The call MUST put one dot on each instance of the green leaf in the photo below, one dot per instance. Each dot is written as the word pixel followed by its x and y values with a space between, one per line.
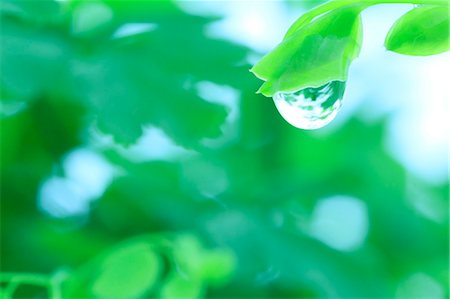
pixel 218 267
pixel 317 53
pixel 422 31
pixel 214 267
pixel 179 287
pixel 188 255
pixel 90 17
pixel 129 271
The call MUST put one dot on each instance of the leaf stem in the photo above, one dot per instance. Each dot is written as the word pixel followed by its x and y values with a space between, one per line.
pixel 321 9
pixel 16 279
pixel 55 283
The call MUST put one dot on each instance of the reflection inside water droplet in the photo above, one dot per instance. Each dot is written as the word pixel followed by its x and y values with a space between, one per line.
pixel 311 108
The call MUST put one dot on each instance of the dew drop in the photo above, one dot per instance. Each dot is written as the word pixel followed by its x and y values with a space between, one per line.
pixel 311 108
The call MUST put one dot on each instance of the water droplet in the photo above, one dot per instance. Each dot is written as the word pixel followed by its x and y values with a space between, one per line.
pixel 311 108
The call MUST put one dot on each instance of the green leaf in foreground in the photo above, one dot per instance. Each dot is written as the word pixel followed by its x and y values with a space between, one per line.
pixel 314 55
pixel 179 287
pixel 129 271
pixel 218 267
pixel 420 32
pixel 213 267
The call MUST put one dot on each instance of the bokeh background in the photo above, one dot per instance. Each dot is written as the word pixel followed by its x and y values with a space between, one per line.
pixel 138 162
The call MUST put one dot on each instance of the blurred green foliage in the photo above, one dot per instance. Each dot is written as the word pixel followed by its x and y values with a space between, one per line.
pixel 227 218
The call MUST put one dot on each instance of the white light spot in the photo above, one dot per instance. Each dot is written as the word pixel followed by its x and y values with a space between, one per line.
pixel 154 144
pixel 220 94
pixel 60 197
pixel 89 170
pixel 341 222
pixel 228 97
pixel 418 135
pixel 88 175
pixel 259 25
pixel 133 29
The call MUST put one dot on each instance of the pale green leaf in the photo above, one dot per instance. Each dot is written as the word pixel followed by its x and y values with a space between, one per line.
pixel 315 54
pixel 422 31
pixel 90 17
pixel 218 266
pixel 179 287
pixel 188 255
pixel 214 267
pixel 128 272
